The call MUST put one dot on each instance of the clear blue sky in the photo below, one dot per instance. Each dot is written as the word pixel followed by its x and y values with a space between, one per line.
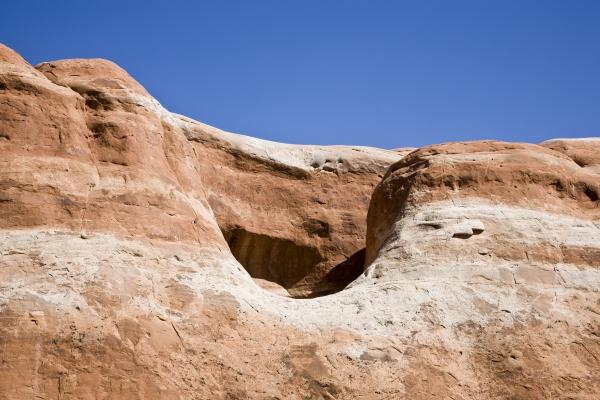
pixel 380 73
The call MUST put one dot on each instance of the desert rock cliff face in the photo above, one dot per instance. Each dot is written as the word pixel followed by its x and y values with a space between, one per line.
pixel 145 255
pixel 293 215
pixel 134 169
pixel 95 157
pixel 533 204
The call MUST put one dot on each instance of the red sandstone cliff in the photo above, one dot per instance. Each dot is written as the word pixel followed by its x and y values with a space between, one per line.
pixel 132 241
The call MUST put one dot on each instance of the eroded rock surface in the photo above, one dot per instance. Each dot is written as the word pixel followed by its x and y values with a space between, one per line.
pixel 130 237
pixel 294 215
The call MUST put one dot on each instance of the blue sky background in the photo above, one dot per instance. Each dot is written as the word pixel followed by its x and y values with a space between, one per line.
pixel 380 73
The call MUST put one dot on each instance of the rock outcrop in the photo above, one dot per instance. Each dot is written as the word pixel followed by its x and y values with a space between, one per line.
pixel 135 169
pixel 293 215
pixel 534 205
pixel 145 255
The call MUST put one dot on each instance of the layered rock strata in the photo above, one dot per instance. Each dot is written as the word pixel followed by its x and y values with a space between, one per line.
pixel 132 241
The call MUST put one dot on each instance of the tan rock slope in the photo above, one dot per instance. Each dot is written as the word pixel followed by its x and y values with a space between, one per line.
pixel 144 255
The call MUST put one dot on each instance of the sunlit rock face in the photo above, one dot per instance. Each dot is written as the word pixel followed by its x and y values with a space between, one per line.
pixel 145 255
pixel 489 201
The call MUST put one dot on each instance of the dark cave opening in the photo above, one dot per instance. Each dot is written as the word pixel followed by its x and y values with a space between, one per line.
pixel 291 265
pixel 591 194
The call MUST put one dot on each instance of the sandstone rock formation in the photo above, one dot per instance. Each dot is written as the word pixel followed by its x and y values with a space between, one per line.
pixel 144 255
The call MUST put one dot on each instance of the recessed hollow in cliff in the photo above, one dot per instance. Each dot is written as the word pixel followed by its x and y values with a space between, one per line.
pixel 287 263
